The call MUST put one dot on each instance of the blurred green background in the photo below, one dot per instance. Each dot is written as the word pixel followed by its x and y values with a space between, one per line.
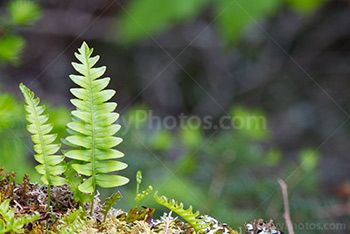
pixel 283 61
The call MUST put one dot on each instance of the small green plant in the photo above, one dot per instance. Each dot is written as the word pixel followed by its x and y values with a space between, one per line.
pixel 143 194
pixel 51 165
pixel 110 201
pixel 71 222
pixel 187 215
pixel 92 127
pixel 11 224
pixel 74 182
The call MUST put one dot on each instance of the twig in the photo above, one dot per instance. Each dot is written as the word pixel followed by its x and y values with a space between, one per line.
pixel 18 204
pixel 286 206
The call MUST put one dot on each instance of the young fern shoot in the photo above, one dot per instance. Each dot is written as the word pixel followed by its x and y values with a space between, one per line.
pixel 187 215
pixel 51 165
pixel 92 127
pixel 143 194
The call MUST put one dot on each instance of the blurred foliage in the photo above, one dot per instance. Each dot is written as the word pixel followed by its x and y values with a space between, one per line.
pixel 162 140
pixel 19 13
pixel 251 123
pixel 13 139
pixel 309 159
pixel 146 18
pixel 152 16
pixel 10 48
pixel 305 6
pixel 230 174
pixel 235 16
pixel 23 12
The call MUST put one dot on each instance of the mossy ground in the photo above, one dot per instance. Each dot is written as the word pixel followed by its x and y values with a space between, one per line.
pixel 66 216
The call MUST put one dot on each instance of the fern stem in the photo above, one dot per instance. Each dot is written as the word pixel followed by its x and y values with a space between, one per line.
pixel 45 155
pixel 93 141
pixel 48 205
pixel 48 197
pixel 137 188
pixel 92 203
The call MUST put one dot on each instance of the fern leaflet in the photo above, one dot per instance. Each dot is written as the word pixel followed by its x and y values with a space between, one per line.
pixel 143 194
pixel 92 127
pixel 187 215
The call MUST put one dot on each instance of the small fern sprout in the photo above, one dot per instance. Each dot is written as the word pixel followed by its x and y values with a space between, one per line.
pixel 110 201
pixel 143 194
pixel 92 127
pixel 51 165
pixel 187 215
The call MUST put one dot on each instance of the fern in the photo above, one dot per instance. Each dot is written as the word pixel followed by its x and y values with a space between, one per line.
pixel 110 201
pixel 143 194
pixel 92 127
pixel 188 215
pixel 50 165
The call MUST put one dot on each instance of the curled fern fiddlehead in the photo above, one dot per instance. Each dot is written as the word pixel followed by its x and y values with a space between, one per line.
pixel 92 127
pixel 51 165
pixel 187 215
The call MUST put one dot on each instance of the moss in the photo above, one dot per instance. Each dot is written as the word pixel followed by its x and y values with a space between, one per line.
pixel 67 217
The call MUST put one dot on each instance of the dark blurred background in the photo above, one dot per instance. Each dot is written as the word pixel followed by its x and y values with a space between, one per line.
pixel 287 61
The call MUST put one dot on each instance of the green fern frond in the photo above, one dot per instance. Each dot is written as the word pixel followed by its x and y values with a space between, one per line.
pixel 92 127
pixel 51 165
pixel 143 194
pixel 187 215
